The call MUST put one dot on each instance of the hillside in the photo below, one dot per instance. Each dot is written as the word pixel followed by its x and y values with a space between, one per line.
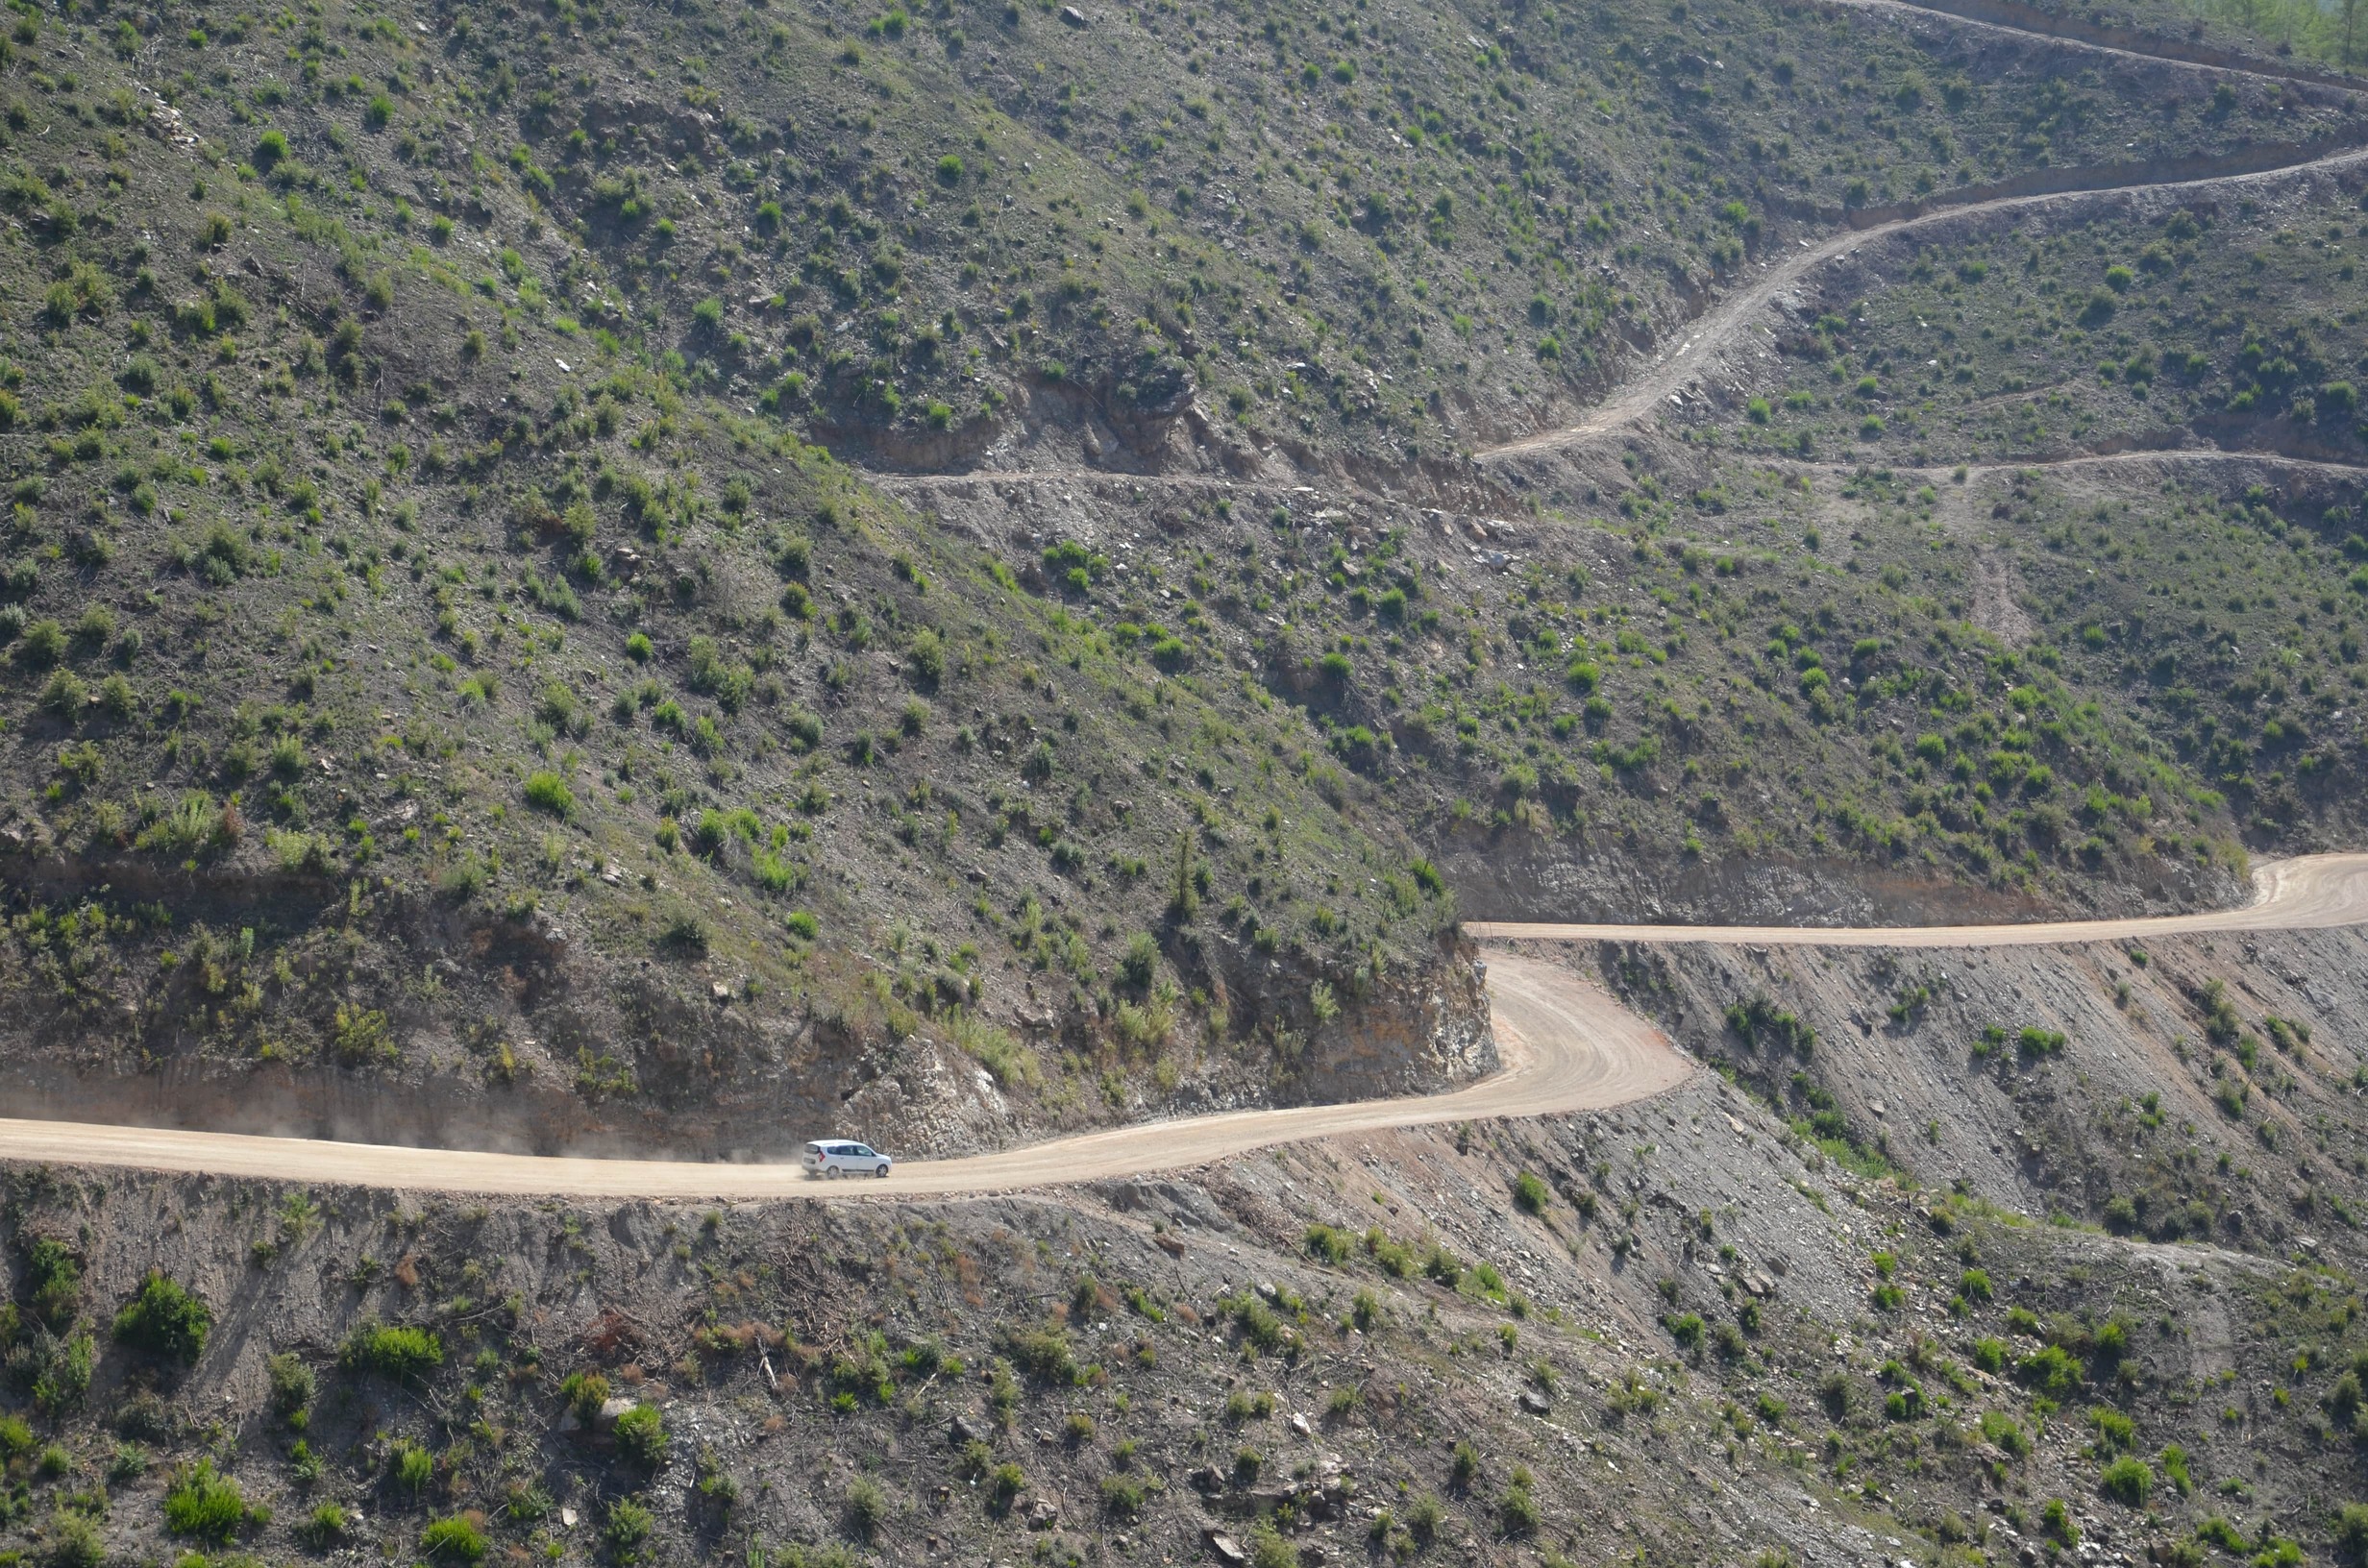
pixel 664 579
pixel 1682 1330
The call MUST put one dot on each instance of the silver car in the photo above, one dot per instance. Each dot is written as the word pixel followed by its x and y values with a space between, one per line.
pixel 835 1159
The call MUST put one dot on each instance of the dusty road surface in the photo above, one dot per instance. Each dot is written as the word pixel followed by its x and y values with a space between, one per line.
pixel 1566 1045
pixel 1697 349
pixel 2306 893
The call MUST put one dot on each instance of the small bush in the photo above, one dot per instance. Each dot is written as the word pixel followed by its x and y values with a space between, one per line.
pixel 1043 1354
pixel 411 1466
pixel 548 791
pixel 1517 1511
pixel 74 1542
pixel 1530 1193
pixel 324 1528
pixel 2050 1371
pixel 641 1436
pixel 166 1320
pixel 203 1506
pixel 53 1282
pixel 291 1385
pixel 453 1540
pixel 626 1531
pixel 2351 1535
pixel 2128 1480
pixel 404 1353
pixel 867 1508
pixel 1124 1496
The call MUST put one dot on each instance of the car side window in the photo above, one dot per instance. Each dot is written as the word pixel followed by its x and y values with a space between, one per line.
pixel 862 1153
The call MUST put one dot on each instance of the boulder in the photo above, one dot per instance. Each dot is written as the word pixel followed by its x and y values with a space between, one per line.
pixel 1224 1548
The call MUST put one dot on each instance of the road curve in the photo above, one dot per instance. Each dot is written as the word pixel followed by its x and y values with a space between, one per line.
pixel 1703 339
pixel 2307 892
pixel 1565 1045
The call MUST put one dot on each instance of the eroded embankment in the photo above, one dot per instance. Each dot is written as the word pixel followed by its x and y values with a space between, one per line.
pixel 2202 1086
pixel 1659 1328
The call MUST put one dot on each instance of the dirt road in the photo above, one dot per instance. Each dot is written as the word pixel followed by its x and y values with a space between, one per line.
pixel 1566 1046
pixel 2304 893
pixel 1706 339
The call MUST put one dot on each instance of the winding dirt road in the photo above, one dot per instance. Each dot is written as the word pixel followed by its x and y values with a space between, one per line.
pixel 1706 338
pixel 2305 893
pixel 1566 1046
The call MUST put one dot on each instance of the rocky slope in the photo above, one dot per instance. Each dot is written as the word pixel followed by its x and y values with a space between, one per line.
pixel 1683 1330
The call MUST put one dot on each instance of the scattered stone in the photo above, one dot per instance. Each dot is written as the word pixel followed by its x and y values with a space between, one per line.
pixel 1224 1548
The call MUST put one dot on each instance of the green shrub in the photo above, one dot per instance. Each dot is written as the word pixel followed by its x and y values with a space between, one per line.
pixel 2006 1434
pixel 166 1320
pixel 626 1531
pixel 1124 1496
pixel 1531 1194
pixel 2128 1480
pixel 584 1392
pixel 548 791
pixel 207 1507
pixel 2114 1430
pixel 867 1508
pixel 324 1528
pixel 1464 1465
pixel 55 1370
pixel 53 1282
pixel 1517 1511
pixel 2050 1371
pixel 394 1351
pixel 2350 1536
pixel 411 1466
pixel 1043 1354
pixel 453 1540
pixel 74 1542
pixel 291 1385
pixel 641 1436
pixel 1328 1244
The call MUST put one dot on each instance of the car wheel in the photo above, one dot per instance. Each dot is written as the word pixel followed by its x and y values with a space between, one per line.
pixel 831 1173
pixel 881 1173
